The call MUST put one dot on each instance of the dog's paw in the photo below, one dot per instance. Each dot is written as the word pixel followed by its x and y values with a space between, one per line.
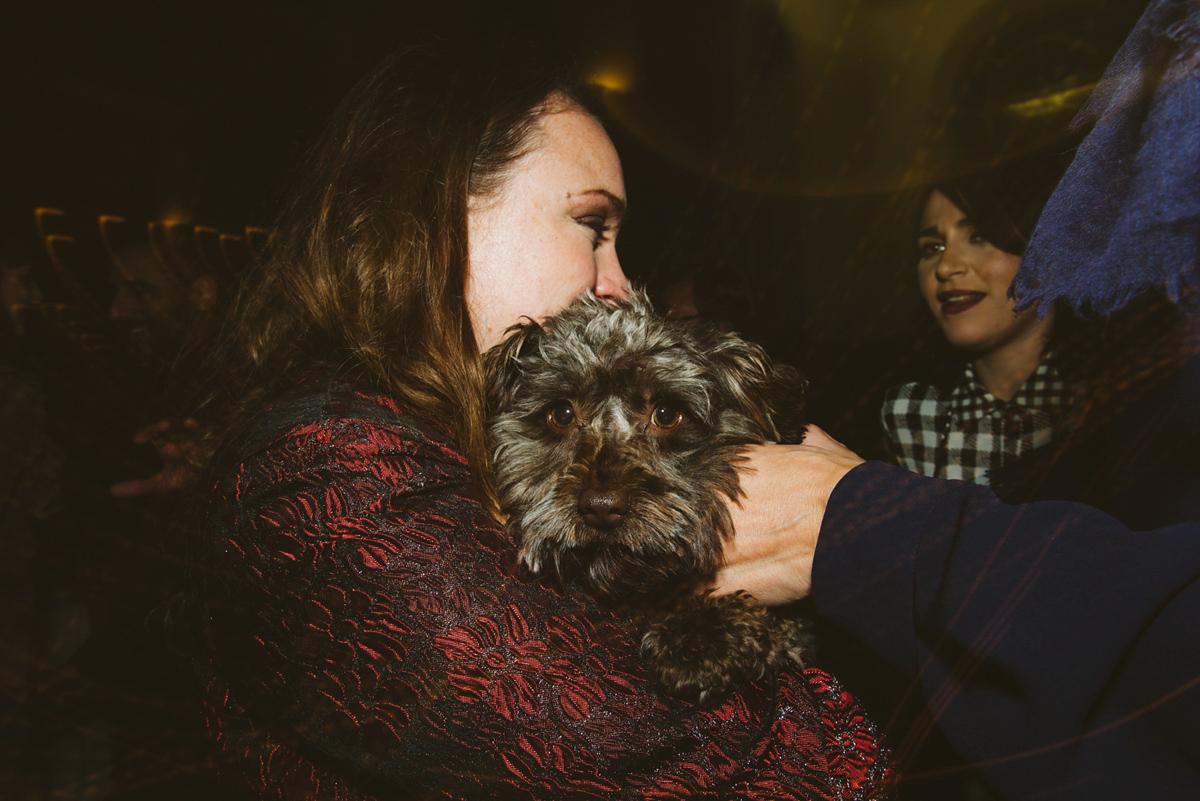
pixel 702 647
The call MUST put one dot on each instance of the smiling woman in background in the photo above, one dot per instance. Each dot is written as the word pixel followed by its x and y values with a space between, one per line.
pixel 999 393
pixel 1057 407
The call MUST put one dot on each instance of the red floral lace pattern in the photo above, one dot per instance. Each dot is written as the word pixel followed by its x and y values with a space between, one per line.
pixel 367 635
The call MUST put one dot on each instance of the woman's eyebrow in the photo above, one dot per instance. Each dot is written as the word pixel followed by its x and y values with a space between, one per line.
pixel 617 203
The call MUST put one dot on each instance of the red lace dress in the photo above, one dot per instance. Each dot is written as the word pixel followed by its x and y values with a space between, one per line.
pixel 366 635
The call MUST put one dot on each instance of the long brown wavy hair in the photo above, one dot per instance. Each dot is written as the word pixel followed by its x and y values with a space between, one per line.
pixel 364 275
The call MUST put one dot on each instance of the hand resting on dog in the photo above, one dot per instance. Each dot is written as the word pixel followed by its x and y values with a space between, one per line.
pixel 786 488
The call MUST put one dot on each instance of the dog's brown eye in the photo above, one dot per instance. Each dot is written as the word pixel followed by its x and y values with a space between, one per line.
pixel 666 416
pixel 561 416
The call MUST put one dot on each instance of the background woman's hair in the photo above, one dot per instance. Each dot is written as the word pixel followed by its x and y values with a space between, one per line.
pixel 364 276
pixel 1004 203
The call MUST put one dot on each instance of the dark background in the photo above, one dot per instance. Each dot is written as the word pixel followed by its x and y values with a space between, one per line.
pixel 771 152
pixel 767 144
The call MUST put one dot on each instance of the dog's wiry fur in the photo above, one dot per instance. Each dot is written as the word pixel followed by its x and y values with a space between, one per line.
pixel 614 436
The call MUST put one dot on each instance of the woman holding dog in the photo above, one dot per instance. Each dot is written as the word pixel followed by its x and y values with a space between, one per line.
pixel 365 630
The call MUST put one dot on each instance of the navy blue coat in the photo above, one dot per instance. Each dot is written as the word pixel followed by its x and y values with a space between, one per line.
pixel 1058 650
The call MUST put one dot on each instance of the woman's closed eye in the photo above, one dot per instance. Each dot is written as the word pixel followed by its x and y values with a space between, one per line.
pixel 602 230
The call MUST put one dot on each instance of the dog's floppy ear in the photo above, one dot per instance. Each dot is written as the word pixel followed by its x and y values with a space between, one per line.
pixel 502 363
pixel 771 395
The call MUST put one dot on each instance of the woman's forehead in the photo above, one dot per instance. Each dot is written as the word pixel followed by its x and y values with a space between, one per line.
pixel 573 150
pixel 940 210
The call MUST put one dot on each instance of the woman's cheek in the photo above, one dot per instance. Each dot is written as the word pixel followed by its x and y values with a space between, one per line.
pixel 928 290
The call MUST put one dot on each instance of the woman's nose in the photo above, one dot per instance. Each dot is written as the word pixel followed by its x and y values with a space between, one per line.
pixel 610 278
pixel 951 263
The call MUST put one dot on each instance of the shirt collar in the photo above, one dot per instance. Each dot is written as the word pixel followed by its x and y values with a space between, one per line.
pixel 1044 390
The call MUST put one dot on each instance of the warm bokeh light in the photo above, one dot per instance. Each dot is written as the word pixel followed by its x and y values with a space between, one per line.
pixel 614 75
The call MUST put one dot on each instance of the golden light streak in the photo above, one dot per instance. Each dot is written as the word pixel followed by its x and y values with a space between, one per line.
pixel 224 240
pixel 38 215
pixel 256 240
pixel 1051 104
pixel 152 235
pixel 103 222
pixel 51 241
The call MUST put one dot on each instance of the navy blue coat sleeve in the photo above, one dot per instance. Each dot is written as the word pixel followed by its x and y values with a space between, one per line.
pixel 1058 650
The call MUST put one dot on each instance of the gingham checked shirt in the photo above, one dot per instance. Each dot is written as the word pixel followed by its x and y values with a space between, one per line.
pixel 971 432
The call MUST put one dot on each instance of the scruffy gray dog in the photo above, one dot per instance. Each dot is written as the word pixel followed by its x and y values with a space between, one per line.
pixel 614 435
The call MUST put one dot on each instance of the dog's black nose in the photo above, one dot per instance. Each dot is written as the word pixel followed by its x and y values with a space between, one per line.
pixel 603 508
